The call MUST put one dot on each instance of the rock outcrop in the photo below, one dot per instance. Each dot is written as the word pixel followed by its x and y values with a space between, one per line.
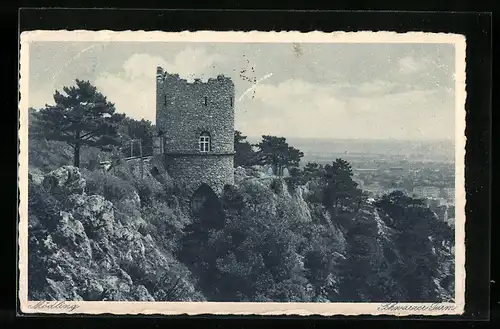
pixel 83 252
pixel 275 191
pixel 97 235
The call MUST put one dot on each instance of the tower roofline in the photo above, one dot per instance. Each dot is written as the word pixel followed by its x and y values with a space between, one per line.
pixel 162 73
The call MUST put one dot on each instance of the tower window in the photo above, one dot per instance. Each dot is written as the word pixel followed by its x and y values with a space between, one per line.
pixel 206 101
pixel 204 142
pixel 231 100
pixel 165 100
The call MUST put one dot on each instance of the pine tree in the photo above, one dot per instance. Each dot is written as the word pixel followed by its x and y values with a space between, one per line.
pixel 243 150
pixel 276 152
pixel 81 116
pixel 340 191
pixel 418 236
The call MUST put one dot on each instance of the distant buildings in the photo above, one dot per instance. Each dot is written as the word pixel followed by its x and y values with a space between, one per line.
pixel 427 192
pixel 433 203
pixel 448 193
pixel 432 182
pixel 397 189
pixel 374 189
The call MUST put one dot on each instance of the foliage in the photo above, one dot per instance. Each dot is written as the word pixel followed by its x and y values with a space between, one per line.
pixel 341 194
pixel 277 185
pixel 323 250
pixel 111 187
pixel 253 244
pixel 142 130
pixel 253 257
pixel 81 116
pixel 259 253
pixel 149 190
pixel 165 224
pixel 42 213
pixel 244 155
pixel 313 175
pixel 365 272
pixel 420 239
pixel 331 186
pixel 275 151
pixel 48 155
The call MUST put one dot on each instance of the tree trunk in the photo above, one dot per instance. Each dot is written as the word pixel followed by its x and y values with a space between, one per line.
pixel 76 155
pixel 336 208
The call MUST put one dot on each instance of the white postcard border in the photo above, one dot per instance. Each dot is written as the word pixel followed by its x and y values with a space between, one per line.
pixel 178 308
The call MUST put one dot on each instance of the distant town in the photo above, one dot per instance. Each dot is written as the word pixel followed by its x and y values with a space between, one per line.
pixel 432 181
pixel 421 170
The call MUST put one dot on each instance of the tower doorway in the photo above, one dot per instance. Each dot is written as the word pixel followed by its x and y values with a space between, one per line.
pixel 206 206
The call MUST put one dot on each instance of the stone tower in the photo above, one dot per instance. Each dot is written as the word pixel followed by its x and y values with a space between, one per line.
pixel 195 124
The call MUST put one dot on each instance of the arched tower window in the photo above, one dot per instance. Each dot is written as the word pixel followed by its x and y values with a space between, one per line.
pixel 205 142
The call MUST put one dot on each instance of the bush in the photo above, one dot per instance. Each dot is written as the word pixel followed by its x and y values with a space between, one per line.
pixel 48 155
pixel 109 186
pixel 43 209
pixel 256 193
pixel 254 256
pixel 277 185
pixel 90 157
pixel 123 171
pixel 150 191
pixel 166 225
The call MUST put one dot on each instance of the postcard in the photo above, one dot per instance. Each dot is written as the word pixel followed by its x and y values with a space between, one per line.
pixel 269 173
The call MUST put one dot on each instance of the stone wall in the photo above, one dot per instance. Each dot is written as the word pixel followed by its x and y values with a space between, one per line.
pixel 185 110
pixel 193 171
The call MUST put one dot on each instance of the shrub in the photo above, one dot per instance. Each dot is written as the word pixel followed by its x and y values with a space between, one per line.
pixel 43 209
pixel 122 171
pixel 277 185
pixel 109 186
pixel 149 190
pixel 48 155
pixel 164 224
pixel 256 193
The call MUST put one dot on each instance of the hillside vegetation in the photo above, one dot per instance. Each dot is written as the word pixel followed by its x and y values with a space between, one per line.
pixel 112 235
pixel 121 233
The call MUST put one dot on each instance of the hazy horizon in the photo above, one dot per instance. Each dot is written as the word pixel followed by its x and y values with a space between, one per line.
pixel 437 140
pixel 330 148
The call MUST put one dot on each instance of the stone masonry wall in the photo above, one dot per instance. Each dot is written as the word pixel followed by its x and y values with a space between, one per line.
pixel 182 115
pixel 193 171
pixel 183 111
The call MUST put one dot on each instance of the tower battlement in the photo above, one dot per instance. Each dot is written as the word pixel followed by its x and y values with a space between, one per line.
pixel 163 76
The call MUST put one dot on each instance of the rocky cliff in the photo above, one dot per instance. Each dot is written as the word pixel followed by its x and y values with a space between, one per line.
pixel 121 235
pixel 84 247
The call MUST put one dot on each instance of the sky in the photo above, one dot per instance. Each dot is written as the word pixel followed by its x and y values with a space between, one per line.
pixel 327 90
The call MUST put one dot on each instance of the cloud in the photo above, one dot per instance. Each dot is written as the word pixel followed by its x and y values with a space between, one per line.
pixel 376 87
pixel 302 109
pixel 296 91
pixel 362 94
pixel 292 107
pixel 133 90
pixel 188 63
pixel 134 97
pixel 416 114
pixel 409 64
